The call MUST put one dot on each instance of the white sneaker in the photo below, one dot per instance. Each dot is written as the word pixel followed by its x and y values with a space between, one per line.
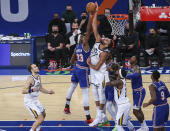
pixel 104 117
pixel 95 122
pixel 143 129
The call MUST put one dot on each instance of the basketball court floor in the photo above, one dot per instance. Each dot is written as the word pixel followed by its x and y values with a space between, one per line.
pixel 15 117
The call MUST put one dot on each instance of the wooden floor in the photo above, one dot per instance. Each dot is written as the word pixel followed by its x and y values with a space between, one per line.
pixel 12 101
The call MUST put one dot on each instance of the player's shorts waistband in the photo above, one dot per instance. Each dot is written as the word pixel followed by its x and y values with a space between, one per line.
pixel 138 89
pixel 160 104
pixel 81 67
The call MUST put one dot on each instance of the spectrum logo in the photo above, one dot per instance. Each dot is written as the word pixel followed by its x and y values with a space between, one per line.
pixel 14 54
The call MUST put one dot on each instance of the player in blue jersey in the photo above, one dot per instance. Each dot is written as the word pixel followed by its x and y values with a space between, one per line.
pixel 159 94
pixel 138 92
pixel 109 90
pixel 80 72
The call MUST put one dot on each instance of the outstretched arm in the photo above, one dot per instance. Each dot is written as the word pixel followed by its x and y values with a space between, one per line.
pixel 117 83
pixel 94 25
pixel 45 91
pixel 88 30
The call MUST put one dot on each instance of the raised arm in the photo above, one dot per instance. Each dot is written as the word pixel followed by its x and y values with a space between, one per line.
pixel 45 91
pixel 88 30
pixel 94 25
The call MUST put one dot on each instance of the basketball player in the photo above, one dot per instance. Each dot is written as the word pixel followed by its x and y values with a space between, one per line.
pixel 122 101
pixel 109 91
pixel 80 73
pixel 138 92
pixel 31 91
pixel 97 65
pixel 159 94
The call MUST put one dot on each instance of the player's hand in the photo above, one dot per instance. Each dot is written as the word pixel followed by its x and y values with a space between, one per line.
pixel 51 92
pixel 145 105
pixel 89 61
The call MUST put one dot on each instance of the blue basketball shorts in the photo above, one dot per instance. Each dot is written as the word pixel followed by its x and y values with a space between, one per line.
pixel 138 97
pixel 80 76
pixel 160 115
pixel 109 93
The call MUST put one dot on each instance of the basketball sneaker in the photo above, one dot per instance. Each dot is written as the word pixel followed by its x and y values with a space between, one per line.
pixel 95 122
pixel 105 121
pixel 89 121
pixel 114 129
pixel 67 110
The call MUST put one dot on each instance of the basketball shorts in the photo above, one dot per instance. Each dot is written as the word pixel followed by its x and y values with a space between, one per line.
pixel 109 93
pixel 123 114
pixel 138 97
pixel 34 107
pixel 80 76
pixel 160 115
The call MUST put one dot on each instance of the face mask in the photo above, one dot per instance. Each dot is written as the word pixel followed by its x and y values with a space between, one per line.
pixel 152 34
pixel 56 18
pixel 73 29
pixel 69 10
pixel 55 32
pixel 83 17
pixel 106 14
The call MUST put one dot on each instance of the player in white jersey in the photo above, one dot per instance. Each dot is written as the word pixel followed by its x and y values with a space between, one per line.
pixel 122 101
pixel 97 65
pixel 31 102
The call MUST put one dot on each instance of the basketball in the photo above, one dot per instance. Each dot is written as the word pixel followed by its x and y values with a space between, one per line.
pixel 91 7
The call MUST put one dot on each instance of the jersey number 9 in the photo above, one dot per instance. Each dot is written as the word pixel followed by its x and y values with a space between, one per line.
pixel 162 95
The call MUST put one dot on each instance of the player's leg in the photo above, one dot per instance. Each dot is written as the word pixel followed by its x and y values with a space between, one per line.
pixel 84 85
pixel 126 117
pixel 74 83
pixel 160 117
pixel 97 102
pixel 109 93
pixel 119 119
pixel 138 98
pixel 38 112
pixel 37 124
pixel 85 93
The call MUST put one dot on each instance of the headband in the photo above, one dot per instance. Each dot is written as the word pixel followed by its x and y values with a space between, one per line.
pixel 120 73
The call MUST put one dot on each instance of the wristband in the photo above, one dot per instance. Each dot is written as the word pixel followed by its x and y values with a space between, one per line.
pixel 31 90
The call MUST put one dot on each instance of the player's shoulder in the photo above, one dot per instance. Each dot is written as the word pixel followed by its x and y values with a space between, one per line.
pixel 30 78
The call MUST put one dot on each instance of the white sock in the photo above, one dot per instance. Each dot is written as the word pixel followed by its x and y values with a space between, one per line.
pixel 71 90
pixel 130 125
pixel 143 124
pixel 109 109
pixel 31 129
pixel 87 112
pixel 119 128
